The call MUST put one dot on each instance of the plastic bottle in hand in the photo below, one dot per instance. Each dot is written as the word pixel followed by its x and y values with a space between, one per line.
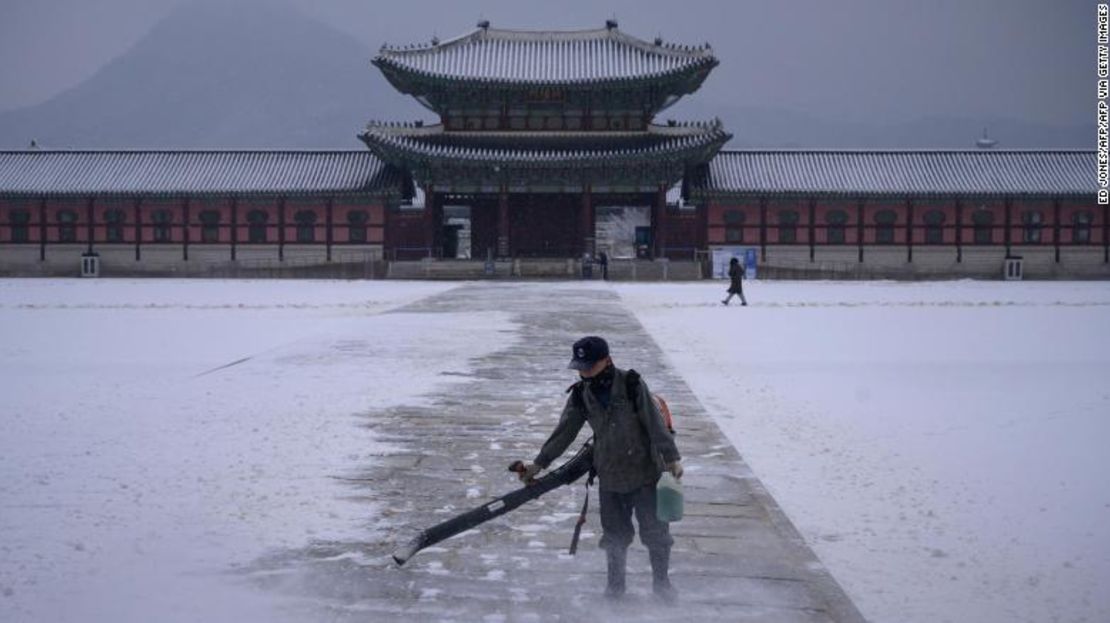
pixel 668 498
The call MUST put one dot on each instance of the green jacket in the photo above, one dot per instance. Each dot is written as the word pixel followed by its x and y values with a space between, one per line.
pixel 631 444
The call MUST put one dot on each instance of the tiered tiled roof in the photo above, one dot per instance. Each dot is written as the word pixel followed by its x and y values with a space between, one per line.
pixel 398 143
pixel 180 172
pixel 546 57
pixel 856 173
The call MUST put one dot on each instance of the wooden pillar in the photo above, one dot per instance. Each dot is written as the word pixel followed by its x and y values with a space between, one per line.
pixel 503 246
pixel 330 238
pixel 1008 203
pixel 1056 228
pixel 1106 234
pixel 89 229
pixel 586 221
pixel 959 231
pixel 859 228
pixel 185 230
pixel 909 230
pixel 658 220
pixel 812 228
pixel 281 228
pixel 42 229
pixel 138 229
pixel 234 227
pixel 703 225
pixel 762 230
pixel 437 226
pixel 388 250
pixel 431 205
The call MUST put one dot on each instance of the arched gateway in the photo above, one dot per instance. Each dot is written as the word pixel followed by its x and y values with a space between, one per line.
pixel 540 135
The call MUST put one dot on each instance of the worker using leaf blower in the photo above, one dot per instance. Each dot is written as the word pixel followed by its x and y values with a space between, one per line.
pixel 632 448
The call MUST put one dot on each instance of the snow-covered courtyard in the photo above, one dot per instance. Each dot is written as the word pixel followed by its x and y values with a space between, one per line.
pixel 132 477
pixel 942 446
pixel 939 445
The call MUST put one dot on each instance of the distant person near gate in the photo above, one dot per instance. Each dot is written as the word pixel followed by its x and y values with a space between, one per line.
pixel 736 287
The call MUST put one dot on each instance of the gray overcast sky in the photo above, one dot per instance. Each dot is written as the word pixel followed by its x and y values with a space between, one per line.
pixel 853 60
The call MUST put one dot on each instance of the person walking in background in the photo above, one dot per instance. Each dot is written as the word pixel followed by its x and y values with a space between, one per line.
pixel 736 285
pixel 603 261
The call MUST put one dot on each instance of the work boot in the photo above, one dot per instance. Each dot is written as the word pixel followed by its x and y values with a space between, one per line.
pixel 616 559
pixel 660 578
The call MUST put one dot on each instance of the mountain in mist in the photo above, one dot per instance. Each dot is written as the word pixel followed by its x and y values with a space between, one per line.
pixel 220 75
pixel 255 74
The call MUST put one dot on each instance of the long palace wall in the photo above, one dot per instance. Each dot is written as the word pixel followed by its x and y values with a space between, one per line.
pixel 929 236
pixel 158 234
pixel 923 236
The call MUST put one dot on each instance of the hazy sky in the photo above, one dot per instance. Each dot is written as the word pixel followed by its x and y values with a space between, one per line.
pixel 852 60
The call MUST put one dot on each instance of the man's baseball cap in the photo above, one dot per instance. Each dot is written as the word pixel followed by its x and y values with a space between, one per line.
pixel 587 352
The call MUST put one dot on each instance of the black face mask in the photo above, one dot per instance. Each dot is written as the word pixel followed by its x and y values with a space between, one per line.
pixel 605 377
pixel 602 385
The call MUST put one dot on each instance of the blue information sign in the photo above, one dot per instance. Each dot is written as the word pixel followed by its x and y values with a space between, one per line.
pixel 749 263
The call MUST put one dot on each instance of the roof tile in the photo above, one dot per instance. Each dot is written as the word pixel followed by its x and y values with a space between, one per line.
pixel 488 54
pixel 171 172
pixel 902 172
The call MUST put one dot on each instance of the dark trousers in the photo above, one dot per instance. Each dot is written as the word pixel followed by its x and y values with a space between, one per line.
pixel 737 290
pixel 616 520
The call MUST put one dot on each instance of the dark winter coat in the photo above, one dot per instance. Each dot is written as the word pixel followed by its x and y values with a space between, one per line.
pixel 736 275
pixel 631 443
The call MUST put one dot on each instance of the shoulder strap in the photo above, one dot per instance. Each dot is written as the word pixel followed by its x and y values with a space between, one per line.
pixel 632 387
pixel 575 391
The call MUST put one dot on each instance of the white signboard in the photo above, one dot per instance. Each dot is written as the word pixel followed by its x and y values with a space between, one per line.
pixel 722 256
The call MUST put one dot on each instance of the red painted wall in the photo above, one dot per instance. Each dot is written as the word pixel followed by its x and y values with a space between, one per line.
pixel 822 210
pixel 1017 226
pixel 54 207
pixel 921 208
pixel 30 206
pixel 687 228
pixel 148 206
pixel 717 227
pixel 1068 210
pixel 684 232
pixel 405 233
pixel 776 208
pixel 375 224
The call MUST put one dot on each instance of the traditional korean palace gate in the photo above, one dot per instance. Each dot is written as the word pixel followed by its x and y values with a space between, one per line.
pixel 546 151
pixel 537 131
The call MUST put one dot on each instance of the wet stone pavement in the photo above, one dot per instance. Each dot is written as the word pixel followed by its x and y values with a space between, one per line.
pixel 736 556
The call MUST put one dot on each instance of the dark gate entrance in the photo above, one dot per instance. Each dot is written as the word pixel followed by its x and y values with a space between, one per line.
pixel 544 225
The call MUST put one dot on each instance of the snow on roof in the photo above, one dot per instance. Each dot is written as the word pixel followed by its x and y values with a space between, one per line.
pixel 168 172
pixel 432 142
pixel 903 172
pixel 604 54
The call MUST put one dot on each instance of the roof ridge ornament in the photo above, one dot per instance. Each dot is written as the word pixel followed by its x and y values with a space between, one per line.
pixel 611 23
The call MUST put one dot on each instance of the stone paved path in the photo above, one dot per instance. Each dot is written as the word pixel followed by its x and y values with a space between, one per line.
pixel 736 556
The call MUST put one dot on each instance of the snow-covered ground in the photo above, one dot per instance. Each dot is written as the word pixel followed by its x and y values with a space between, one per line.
pixel 134 474
pixel 942 446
